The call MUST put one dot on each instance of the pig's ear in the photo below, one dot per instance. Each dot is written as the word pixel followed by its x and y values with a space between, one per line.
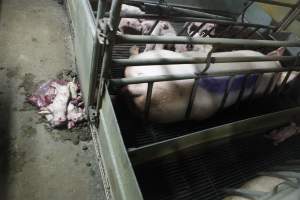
pixel 277 52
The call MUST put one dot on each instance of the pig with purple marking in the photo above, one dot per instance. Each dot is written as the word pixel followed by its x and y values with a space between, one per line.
pixel 170 99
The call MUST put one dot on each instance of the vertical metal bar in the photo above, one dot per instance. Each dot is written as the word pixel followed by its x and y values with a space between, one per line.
pixel 289 18
pixel 110 32
pixel 239 32
pixel 153 27
pixel 225 31
pixel 192 98
pixel 185 26
pixel 257 82
pixel 226 93
pixel 96 54
pixel 252 32
pixel 197 30
pixel 148 100
pixel 208 32
pixel 242 90
pixel 283 84
pixel 270 83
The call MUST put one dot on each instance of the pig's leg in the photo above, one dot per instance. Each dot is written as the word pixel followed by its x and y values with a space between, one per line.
pixel 280 135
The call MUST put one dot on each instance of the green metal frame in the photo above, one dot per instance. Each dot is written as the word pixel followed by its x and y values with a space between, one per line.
pixel 115 165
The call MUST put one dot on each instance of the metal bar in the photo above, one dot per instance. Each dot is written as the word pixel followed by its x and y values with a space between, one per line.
pixel 289 18
pixel 259 123
pixel 185 26
pixel 147 79
pixel 191 99
pixel 252 32
pixel 194 19
pixel 283 84
pixel 220 34
pixel 239 32
pixel 153 27
pixel 269 86
pixel 226 93
pixel 96 58
pixel 110 32
pixel 257 82
pixel 276 3
pixel 197 30
pixel 198 60
pixel 142 39
pixel 242 90
pixel 148 100
pixel 186 12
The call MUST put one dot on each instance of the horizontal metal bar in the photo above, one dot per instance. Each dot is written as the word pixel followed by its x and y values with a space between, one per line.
pixel 147 79
pixel 198 60
pixel 194 19
pixel 151 39
pixel 276 3
pixel 260 123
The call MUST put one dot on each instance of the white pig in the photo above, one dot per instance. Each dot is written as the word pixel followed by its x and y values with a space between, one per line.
pixel 202 32
pixel 130 25
pixel 170 98
pixel 259 184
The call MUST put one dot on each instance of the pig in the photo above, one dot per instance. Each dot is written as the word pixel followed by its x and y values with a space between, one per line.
pixel 280 135
pixel 74 115
pixel 130 25
pixel 259 184
pixel 202 32
pixel 55 112
pixel 163 28
pixel 170 99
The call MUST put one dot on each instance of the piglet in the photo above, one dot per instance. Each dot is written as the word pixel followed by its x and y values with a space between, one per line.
pixel 75 115
pixel 130 25
pixel 55 112
pixel 163 28
pixel 282 134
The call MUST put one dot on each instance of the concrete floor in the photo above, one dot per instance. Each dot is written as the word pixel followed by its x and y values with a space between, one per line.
pixel 36 163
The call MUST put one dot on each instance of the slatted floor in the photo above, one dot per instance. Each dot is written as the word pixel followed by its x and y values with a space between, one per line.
pixel 203 175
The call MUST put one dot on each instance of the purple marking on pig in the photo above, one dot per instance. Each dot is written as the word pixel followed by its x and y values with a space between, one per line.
pixel 218 84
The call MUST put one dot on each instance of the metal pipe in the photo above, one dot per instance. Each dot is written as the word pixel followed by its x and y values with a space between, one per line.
pixel 184 11
pixel 254 89
pixel 191 99
pixel 269 86
pixel 110 32
pixel 97 51
pixel 151 39
pixel 147 79
pixel 198 60
pixel 193 19
pixel 289 18
pixel 276 3
pixel 242 90
pixel 283 84
pixel 226 93
pixel 148 100
pixel 175 145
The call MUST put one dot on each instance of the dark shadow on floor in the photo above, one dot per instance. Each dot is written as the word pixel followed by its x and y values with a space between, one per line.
pixel 5 102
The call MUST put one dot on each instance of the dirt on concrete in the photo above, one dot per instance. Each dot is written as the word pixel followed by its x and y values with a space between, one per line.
pixel 35 162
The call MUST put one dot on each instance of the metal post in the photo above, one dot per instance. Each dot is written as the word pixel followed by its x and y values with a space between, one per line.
pixel 96 58
pixel 110 32
pixel 289 18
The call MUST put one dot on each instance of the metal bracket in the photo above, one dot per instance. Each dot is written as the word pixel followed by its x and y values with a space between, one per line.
pixel 93 114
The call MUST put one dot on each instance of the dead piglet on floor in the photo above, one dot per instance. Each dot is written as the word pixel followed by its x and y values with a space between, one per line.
pixel 75 115
pixel 55 112
pixel 163 28
pixel 45 94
